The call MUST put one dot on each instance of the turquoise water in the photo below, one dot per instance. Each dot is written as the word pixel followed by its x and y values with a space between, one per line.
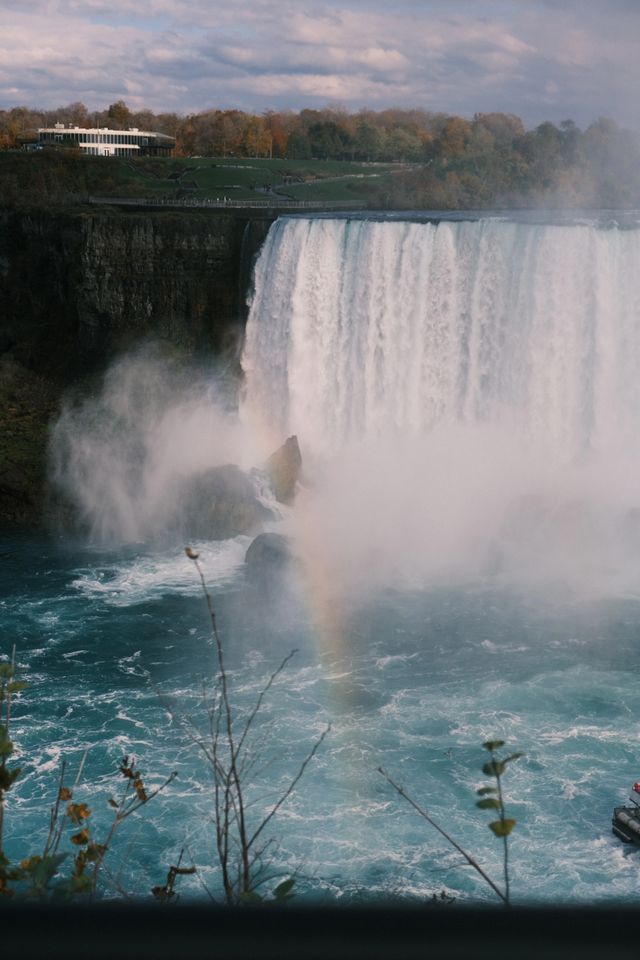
pixel 417 681
pixel 468 533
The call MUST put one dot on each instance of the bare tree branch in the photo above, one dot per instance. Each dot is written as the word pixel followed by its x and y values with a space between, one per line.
pixel 233 753
pixel 291 786
pixel 423 813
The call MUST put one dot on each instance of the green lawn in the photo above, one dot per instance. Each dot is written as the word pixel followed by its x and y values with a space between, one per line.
pixel 201 178
pixel 303 180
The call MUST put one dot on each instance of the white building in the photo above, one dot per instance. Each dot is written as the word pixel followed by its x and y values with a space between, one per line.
pixel 102 142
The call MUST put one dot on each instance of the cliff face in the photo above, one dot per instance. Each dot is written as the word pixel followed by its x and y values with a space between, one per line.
pixel 77 288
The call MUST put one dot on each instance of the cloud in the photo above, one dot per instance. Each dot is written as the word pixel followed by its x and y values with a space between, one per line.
pixel 541 59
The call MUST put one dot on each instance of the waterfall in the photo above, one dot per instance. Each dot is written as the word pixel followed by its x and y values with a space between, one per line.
pixel 466 394
pixel 361 328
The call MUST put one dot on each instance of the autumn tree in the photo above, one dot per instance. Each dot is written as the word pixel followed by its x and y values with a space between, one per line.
pixel 118 116
pixel 256 140
pixel 299 146
pixel 275 125
pixel 503 127
pixel 454 138
pixel 367 142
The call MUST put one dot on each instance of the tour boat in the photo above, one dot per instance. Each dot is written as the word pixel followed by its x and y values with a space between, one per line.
pixel 625 822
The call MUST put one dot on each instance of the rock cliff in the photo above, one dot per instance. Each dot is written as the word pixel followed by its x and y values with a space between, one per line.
pixel 78 286
pixel 75 288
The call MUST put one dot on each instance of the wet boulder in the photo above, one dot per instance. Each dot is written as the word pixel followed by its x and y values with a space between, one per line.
pixel 283 469
pixel 220 503
pixel 267 560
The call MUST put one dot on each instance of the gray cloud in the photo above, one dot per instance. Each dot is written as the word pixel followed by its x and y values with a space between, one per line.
pixel 541 59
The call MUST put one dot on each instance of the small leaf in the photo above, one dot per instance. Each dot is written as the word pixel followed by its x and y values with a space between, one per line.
pixel 513 756
pixel 191 553
pixel 283 890
pixel 127 771
pixel 502 828
pixel 489 803
pixel 16 686
pixel 250 896
pixel 113 803
pixel 65 794
pixel 8 777
pixel 140 790
pixel 77 812
pixel 80 838
pixel 483 790
pixel 82 884
pixel 46 869
pixel 495 768
pixel 493 744
pixel 95 852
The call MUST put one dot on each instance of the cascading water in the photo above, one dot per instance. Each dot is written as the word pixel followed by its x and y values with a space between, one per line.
pixel 358 328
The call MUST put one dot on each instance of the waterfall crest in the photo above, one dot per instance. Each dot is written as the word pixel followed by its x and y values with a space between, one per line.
pixel 360 328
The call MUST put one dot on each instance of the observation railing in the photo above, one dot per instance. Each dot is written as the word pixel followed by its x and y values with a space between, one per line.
pixel 224 202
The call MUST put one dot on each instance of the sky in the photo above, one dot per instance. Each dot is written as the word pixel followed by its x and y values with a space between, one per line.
pixel 539 59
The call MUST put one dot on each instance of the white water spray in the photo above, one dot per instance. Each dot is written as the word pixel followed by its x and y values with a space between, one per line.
pixel 471 390
pixel 123 457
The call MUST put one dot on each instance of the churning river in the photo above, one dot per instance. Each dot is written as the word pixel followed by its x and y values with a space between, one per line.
pixel 466 395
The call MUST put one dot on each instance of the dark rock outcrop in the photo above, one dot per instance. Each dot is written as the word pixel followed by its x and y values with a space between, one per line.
pixel 27 403
pixel 267 560
pixel 80 285
pixel 283 469
pixel 221 503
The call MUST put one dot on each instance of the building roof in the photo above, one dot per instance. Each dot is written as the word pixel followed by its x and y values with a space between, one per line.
pixel 61 128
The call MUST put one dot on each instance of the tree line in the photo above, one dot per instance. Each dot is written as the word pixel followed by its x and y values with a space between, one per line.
pixel 489 160
pixel 327 134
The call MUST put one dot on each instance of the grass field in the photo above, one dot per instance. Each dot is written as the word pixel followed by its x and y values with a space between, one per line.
pixel 201 178
pixel 246 179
